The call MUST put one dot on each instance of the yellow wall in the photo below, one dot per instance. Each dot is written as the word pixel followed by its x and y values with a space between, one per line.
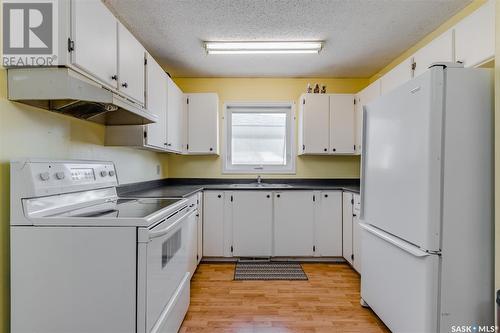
pixel 31 132
pixel 264 89
pixel 424 41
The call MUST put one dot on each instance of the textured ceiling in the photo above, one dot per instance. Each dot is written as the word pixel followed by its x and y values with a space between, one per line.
pixel 362 36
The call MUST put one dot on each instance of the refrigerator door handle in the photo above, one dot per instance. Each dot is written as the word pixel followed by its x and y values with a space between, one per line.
pixel 405 246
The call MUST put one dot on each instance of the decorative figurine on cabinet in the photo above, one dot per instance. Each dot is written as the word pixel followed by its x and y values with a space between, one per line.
pixel 323 89
pixel 316 89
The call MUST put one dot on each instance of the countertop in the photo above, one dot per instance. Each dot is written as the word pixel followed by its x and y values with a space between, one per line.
pixel 182 188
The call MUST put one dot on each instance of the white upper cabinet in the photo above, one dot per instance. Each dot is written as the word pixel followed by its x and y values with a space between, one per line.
pixel 326 124
pixel 175 117
pixel 156 103
pixel 293 223
pixel 93 32
pixel 314 114
pixel 328 224
pixel 202 124
pixel 131 65
pixel 439 50
pixel 475 36
pixel 364 97
pixel 342 124
pixel 252 213
pixel 397 76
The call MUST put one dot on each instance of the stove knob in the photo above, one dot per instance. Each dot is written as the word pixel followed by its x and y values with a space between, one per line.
pixel 44 176
pixel 60 175
pixel 111 173
pixel 103 173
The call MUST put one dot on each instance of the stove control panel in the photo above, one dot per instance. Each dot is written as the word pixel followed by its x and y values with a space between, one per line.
pixel 53 177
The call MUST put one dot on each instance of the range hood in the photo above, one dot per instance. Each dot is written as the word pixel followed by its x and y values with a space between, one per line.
pixel 63 90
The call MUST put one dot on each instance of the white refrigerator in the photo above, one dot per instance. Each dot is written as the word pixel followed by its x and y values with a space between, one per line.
pixel 427 202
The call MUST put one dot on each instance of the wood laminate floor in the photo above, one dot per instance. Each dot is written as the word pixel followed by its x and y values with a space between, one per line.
pixel 327 302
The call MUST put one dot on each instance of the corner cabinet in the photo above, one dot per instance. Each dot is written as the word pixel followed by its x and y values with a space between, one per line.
pixel 326 124
pixel 202 124
pixel 351 246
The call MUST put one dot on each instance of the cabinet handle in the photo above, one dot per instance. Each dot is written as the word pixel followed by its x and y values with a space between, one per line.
pixel 268 196
pixel 326 195
pixel 354 215
pixel 124 84
pixel 277 195
pixel 334 149
pixel 114 77
pixel 219 196
pixel 211 149
pixel 169 144
pixel 325 149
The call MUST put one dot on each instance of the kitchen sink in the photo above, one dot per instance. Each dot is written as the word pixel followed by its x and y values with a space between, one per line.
pixel 259 185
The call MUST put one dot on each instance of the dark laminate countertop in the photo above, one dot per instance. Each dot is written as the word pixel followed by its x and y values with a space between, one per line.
pixel 177 188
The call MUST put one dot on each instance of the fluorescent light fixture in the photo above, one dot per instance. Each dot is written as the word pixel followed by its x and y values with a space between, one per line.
pixel 262 47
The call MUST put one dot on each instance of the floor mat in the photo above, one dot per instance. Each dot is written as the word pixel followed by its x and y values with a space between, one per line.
pixel 269 271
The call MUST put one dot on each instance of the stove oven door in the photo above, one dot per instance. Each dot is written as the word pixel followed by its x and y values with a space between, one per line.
pixel 162 267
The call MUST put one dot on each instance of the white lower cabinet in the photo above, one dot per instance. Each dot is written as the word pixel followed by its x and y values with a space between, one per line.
pixel 252 213
pixel 259 223
pixel 199 246
pixel 192 244
pixel 328 224
pixel 351 245
pixel 347 201
pixel 213 224
pixel 293 223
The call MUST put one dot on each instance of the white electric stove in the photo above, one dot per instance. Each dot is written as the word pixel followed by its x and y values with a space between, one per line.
pixel 85 260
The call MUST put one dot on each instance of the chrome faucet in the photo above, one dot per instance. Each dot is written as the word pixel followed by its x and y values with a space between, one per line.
pixel 259 179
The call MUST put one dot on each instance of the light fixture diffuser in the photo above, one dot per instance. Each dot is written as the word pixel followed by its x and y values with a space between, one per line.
pixel 263 47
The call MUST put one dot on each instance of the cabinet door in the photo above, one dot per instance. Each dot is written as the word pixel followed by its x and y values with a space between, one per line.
pixel 293 223
pixel 93 30
pixel 192 231
pixel 342 124
pixel 175 108
pixel 156 103
pixel 130 65
pixel 202 123
pixel 200 227
pixel 439 50
pixel 396 77
pixel 252 223
pixel 315 123
pixel 213 224
pixel 328 227
pixel 475 36
pixel 356 242
pixel 347 227
pixel 364 97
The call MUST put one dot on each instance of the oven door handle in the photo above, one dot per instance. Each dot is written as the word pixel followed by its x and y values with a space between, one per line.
pixel 158 233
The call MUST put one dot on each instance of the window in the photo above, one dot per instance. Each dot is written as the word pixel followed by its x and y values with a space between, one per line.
pixel 259 138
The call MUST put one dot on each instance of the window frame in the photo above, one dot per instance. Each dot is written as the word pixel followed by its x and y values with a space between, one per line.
pixel 288 168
